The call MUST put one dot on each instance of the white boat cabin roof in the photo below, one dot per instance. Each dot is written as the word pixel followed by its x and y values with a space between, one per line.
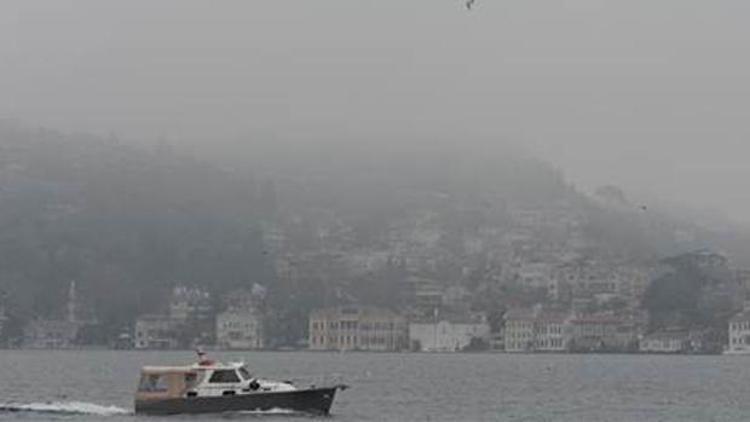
pixel 198 366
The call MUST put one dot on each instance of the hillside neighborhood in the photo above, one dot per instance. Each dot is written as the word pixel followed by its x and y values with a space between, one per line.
pixel 580 314
pixel 440 250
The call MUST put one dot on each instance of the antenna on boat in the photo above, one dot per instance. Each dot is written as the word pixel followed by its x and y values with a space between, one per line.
pixel 202 359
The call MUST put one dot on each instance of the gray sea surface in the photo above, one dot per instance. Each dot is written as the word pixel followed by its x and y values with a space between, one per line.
pixel 99 385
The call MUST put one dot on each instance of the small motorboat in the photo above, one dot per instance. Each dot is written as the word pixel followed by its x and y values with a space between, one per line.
pixel 212 387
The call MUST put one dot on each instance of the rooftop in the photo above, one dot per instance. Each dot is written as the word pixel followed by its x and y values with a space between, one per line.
pixel 743 316
pixel 351 311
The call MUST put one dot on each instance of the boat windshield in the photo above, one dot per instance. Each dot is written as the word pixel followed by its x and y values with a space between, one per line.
pixel 244 373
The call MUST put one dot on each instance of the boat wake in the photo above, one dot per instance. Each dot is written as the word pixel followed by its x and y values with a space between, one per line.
pixel 65 408
pixel 93 409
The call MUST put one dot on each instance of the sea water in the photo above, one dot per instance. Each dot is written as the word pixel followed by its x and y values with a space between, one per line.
pixel 99 385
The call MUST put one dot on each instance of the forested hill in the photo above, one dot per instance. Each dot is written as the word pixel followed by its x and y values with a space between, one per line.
pixel 373 187
pixel 125 224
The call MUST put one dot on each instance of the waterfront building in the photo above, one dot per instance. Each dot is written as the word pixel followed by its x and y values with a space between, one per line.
pixel 357 328
pixel 551 331
pixel 189 322
pixel 56 333
pixel 124 341
pixel 665 342
pixel 739 332
pixel 241 325
pixel 238 329
pixel 448 334
pixel 50 334
pixel 603 333
pixel 537 330
pixel 519 330
pixel 156 332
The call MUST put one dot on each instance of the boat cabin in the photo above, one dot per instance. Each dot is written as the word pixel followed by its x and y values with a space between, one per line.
pixel 204 379
pixel 166 382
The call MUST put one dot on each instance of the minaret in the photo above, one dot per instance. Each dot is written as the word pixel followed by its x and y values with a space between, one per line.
pixel 3 304
pixel 72 302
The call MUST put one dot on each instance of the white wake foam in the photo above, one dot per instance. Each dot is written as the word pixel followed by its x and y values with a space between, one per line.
pixel 72 407
pixel 273 411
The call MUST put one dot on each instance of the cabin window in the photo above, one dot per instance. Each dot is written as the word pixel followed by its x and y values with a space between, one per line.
pixel 191 380
pixel 224 376
pixel 153 383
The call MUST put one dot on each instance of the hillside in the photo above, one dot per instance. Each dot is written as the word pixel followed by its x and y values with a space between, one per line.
pixel 125 224
pixel 317 223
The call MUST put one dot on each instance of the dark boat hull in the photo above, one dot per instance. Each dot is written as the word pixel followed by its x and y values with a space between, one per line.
pixel 316 401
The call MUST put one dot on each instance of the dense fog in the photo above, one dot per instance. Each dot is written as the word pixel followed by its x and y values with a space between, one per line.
pixel 651 96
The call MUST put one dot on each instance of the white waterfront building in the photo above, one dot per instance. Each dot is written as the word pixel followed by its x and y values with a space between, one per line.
pixel 519 330
pixel 241 325
pixel 156 332
pixel 238 329
pixel 537 330
pixel 739 332
pixel 447 335
pixel 664 342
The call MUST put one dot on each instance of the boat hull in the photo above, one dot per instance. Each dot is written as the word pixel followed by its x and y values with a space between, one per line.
pixel 316 401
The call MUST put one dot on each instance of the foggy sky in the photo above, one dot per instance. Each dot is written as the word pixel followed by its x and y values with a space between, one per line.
pixel 652 95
